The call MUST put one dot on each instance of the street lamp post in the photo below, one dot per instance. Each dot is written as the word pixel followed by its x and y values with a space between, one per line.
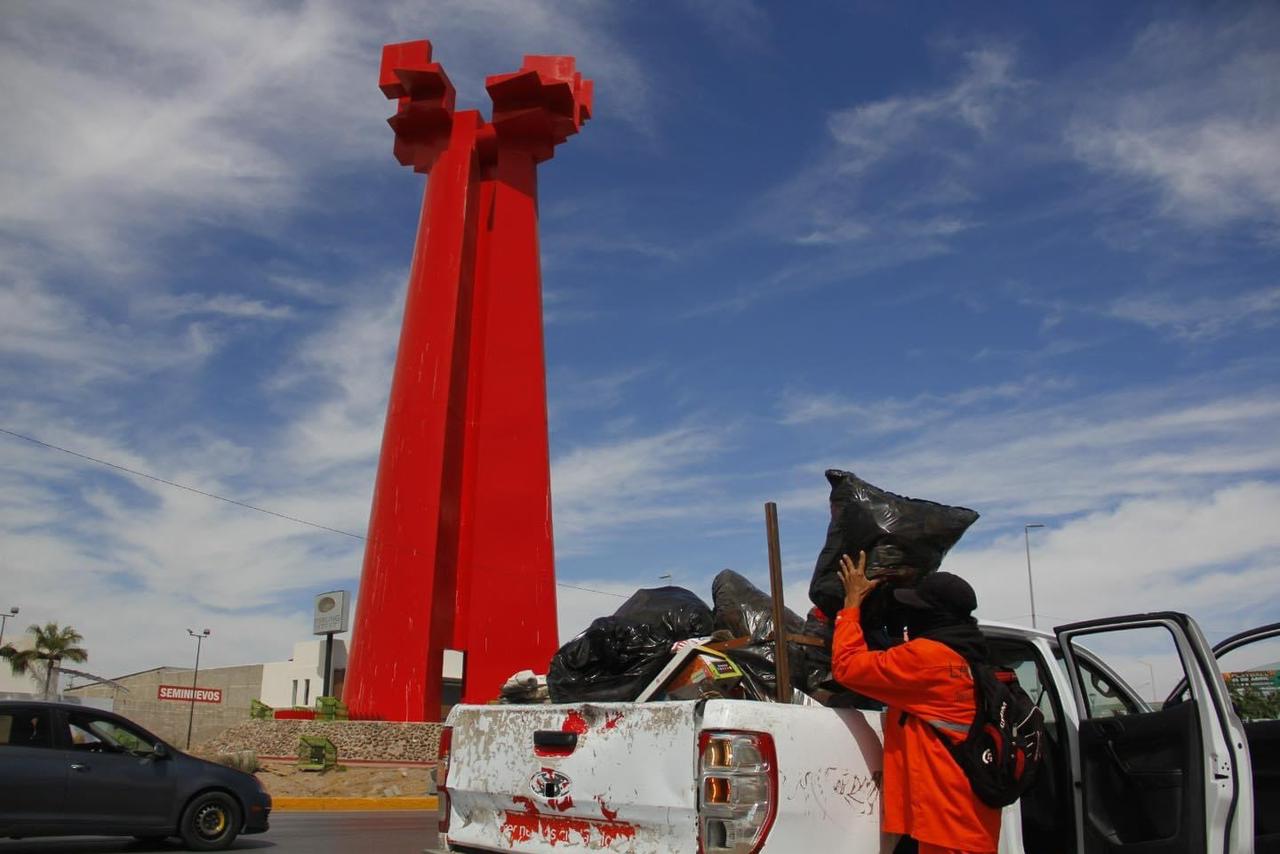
pixel 1152 673
pixel 13 612
pixel 1031 587
pixel 195 674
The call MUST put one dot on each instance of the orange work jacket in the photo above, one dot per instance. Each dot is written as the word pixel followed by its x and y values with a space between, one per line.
pixel 926 794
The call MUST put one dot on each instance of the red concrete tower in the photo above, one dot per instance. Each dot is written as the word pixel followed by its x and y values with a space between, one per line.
pixel 460 551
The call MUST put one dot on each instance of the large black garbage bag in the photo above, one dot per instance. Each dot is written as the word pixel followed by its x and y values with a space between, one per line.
pixel 759 670
pixel 745 610
pixel 679 612
pixel 758 663
pixel 617 656
pixel 904 538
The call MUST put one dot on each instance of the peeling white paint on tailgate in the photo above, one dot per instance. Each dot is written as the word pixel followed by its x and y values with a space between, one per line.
pixel 629 784
pixel 829 773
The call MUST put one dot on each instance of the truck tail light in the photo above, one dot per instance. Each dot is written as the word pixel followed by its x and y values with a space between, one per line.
pixel 737 791
pixel 442 776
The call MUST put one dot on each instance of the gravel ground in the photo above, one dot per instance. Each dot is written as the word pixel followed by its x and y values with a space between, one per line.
pixel 357 781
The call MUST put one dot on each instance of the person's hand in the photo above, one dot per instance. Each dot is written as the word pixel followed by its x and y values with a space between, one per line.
pixel 856 584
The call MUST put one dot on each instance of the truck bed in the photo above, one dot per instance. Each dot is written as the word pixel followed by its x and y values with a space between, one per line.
pixel 630 780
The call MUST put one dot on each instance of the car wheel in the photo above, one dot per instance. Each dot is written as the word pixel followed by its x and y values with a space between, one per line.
pixel 211 822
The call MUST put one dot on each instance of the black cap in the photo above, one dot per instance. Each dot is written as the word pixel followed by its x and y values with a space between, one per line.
pixel 940 591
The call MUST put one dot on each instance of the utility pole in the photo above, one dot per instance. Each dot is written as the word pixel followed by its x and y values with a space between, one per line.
pixel 195 674
pixel 1031 587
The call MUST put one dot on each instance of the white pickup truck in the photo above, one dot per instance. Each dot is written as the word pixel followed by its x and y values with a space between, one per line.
pixel 716 776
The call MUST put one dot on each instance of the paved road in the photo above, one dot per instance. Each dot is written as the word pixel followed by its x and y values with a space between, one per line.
pixel 391 832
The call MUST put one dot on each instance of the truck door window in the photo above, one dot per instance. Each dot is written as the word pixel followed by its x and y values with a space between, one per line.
pixel 1021 658
pixel 1122 671
pixel 1142 769
pixel 1105 697
pixel 1252 673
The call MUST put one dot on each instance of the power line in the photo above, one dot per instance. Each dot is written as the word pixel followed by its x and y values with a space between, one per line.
pixel 243 504
pixel 589 590
pixel 153 477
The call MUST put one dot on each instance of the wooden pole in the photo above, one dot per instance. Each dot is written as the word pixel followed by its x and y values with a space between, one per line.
pixel 782 663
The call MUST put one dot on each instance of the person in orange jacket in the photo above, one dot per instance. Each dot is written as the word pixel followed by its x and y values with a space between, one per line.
pixel 927 685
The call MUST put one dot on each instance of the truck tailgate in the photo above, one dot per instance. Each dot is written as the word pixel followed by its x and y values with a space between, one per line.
pixel 615 776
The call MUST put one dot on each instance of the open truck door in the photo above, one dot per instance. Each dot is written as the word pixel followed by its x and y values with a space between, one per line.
pixel 1156 780
pixel 1250 663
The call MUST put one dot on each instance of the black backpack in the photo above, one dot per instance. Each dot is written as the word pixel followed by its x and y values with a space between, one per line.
pixel 1002 750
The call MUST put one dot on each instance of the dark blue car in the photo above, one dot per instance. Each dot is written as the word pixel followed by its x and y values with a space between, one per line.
pixel 69 770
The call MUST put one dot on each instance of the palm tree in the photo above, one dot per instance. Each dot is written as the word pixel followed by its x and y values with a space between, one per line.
pixel 52 645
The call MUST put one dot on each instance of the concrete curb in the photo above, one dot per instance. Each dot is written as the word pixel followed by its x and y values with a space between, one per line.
pixel 353 804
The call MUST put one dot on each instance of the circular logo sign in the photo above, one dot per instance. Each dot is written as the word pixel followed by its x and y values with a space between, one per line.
pixel 326 604
pixel 550 784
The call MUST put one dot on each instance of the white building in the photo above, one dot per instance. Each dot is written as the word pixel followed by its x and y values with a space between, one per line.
pixel 298 681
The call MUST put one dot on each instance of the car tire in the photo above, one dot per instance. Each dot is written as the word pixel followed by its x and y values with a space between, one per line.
pixel 211 822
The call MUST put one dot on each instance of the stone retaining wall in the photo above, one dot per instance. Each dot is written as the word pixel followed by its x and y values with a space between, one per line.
pixel 368 740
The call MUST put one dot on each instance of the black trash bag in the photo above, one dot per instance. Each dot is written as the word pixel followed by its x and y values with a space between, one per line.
pixel 758 663
pixel 745 610
pixel 759 670
pixel 617 656
pixel 817 659
pixel 904 538
pixel 679 612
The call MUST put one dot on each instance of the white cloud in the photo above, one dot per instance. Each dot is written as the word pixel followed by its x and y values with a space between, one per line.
pixel 222 115
pixel 219 305
pixel 872 132
pixel 1208 554
pixel 1201 318
pixel 1192 112
pixel 898 170
pixel 1154 498
pixel 742 24
pixel 600 490
pixel 1053 458
pixel 886 415
pixel 572 391
pixel 478 38
pixel 894 182
pixel 54 336
pixel 179 131
pixel 350 361
pixel 1200 552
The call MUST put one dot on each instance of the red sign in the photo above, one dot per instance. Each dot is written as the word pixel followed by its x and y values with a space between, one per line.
pixel 177 692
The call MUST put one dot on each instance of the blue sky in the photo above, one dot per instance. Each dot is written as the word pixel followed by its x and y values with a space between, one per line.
pixel 1021 259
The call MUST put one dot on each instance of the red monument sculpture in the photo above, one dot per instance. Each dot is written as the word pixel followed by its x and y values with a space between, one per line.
pixel 459 554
